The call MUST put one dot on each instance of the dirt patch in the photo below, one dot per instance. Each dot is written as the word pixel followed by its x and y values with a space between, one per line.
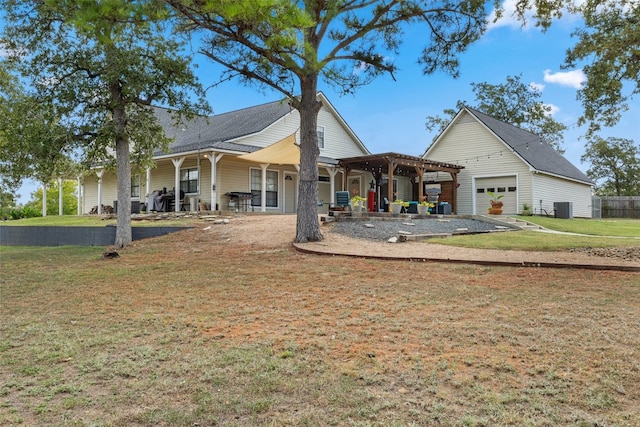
pixel 279 231
pixel 225 324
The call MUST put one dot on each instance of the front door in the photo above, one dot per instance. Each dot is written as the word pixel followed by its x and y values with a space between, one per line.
pixel 290 192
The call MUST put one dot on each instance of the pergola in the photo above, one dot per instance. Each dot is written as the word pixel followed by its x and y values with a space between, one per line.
pixel 395 164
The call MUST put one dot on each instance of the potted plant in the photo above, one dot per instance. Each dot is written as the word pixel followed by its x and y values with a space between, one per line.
pixel 357 203
pixel 397 205
pixel 496 204
pixel 424 206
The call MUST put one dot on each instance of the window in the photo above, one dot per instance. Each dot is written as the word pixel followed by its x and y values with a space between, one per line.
pixel 320 132
pixel 479 190
pixel 501 190
pixel 272 188
pixel 323 178
pixel 135 185
pixel 512 189
pixel 189 180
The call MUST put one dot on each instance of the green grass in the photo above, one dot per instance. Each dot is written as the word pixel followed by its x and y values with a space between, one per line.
pixel 169 336
pixel 89 221
pixel 535 240
pixel 594 227
pixel 597 234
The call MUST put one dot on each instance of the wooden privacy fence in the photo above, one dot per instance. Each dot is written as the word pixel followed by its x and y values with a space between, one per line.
pixel 620 206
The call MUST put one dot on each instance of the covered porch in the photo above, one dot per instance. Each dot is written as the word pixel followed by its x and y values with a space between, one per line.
pixel 417 169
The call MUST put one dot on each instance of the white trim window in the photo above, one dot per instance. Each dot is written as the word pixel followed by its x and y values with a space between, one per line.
pixel 189 180
pixel 272 188
pixel 135 186
pixel 320 133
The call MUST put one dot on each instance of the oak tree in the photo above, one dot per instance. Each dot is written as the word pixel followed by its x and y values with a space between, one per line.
pixel 102 64
pixel 291 46
pixel 615 166
pixel 608 47
pixel 512 102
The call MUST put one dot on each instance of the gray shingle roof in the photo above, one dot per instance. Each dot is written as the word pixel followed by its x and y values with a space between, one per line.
pixel 217 131
pixel 532 148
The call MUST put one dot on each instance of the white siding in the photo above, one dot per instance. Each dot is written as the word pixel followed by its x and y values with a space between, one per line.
pixel 471 145
pixel 233 174
pixel 549 189
pixel 109 191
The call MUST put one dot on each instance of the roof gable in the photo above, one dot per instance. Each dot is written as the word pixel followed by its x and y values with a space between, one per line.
pixel 221 130
pixel 531 148
pixel 218 130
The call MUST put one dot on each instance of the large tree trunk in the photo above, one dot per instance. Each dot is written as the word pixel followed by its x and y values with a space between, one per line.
pixel 308 226
pixel 123 170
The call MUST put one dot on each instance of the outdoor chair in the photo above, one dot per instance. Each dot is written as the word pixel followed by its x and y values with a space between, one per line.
pixel 432 197
pixel 342 201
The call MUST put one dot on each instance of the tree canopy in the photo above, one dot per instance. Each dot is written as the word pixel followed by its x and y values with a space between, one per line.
pixel 100 65
pixel 615 166
pixel 609 47
pixel 290 46
pixel 512 102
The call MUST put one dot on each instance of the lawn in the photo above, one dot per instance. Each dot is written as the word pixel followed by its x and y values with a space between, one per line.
pixel 193 332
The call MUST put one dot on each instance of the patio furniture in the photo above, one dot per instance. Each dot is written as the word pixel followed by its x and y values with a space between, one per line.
pixel 342 201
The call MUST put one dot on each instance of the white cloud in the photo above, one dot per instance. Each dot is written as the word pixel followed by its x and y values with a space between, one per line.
pixel 509 18
pixel 573 79
pixel 537 86
pixel 553 109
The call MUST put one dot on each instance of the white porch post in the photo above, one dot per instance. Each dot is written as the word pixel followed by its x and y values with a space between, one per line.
pixel 263 188
pixel 79 194
pixel 333 171
pixel 44 199
pixel 100 173
pixel 147 184
pixel 214 159
pixel 176 187
pixel 60 210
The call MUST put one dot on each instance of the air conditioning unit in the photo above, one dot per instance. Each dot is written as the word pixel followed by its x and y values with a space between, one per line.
pixel 563 210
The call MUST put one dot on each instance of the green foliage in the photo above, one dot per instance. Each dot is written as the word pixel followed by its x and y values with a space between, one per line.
pixel 608 43
pixel 110 61
pixel 512 102
pixel 69 199
pixel 615 166
pixel 290 46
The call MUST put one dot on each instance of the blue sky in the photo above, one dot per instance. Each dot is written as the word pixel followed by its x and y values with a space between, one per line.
pixel 389 115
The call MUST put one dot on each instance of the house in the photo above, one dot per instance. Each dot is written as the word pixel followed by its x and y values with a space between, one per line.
pixel 240 160
pixel 510 162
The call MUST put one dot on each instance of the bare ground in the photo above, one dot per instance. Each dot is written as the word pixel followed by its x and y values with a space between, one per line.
pixel 279 230
pixel 226 324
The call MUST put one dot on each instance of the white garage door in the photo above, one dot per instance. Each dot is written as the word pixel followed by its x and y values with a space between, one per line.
pixel 501 186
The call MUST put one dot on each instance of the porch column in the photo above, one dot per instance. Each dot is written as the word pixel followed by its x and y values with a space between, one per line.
pixel 391 167
pixel 420 171
pixel 263 188
pixel 454 208
pixel 44 199
pixel 147 183
pixel 79 195
pixel 333 171
pixel 60 210
pixel 214 159
pixel 176 187
pixel 99 173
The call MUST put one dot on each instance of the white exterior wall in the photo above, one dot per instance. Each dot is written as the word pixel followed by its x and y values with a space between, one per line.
pixel 549 189
pixel 234 175
pixel 471 145
pixel 109 191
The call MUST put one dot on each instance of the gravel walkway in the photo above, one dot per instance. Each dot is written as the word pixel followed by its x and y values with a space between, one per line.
pixel 384 229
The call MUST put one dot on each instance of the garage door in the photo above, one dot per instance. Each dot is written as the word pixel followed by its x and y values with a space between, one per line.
pixel 501 186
